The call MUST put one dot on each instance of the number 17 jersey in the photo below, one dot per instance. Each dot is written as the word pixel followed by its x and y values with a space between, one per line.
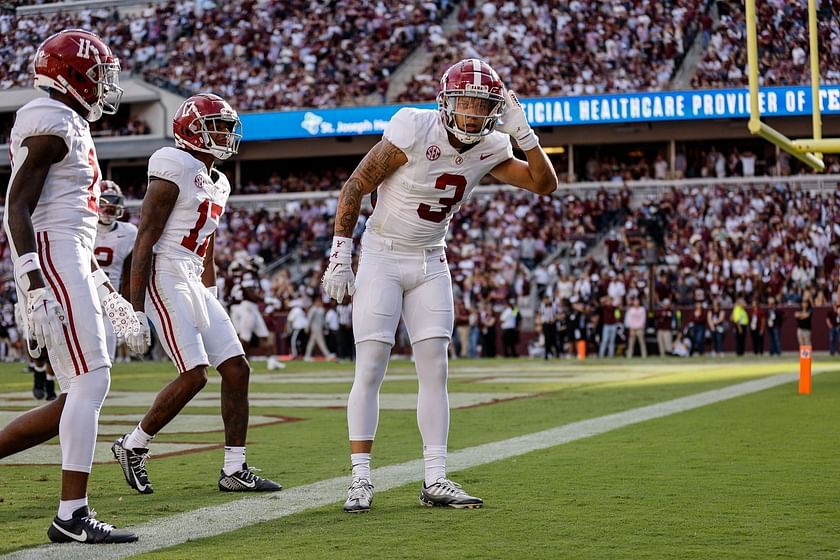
pixel 201 201
pixel 415 204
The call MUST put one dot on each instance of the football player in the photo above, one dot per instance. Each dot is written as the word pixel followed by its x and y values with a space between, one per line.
pixel 427 163
pixel 173 279
pixel 114 243
pixel 50 221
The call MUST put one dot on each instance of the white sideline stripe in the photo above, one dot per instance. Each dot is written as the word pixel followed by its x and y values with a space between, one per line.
pixel 215 520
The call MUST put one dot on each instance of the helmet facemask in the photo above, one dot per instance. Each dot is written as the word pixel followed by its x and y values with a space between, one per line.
pixel 106 77
pixel 470 104
pixel 224 127
pixel 111 208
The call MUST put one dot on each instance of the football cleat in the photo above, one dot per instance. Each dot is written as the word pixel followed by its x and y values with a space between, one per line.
pixel 246 481
pixel 84 528
pixel 359 496
pixel 133 463
pixel 444 492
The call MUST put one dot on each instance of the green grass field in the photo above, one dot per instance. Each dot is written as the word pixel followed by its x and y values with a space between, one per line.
pixel 751 477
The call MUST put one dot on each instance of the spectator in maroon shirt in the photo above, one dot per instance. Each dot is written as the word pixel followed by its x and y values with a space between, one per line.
pixel 665 327
pixel 698 329
pixel 758 327
pixel 610 318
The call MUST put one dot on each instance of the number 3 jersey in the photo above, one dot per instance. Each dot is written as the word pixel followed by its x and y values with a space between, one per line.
pixel 201 201
pixel 68 205
pixel 416 203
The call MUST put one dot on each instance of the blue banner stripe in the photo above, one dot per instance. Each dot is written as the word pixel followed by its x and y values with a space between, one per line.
pixel 558 111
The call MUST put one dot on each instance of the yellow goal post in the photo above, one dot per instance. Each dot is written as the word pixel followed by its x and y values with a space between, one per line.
pixel 807 150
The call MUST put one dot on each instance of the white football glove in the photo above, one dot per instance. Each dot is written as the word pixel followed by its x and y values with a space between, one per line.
pixel 120 313
pixel 114 306
pixel 138 339
pixel 514 123
pixel 338 280
pixel 45 317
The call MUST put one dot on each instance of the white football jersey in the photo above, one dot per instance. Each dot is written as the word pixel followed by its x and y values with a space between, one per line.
pixel 201 202
pixel 113 245
pixel 69 201
pixel 416 203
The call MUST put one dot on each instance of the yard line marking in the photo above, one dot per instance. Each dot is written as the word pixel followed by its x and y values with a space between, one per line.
pixel 250 510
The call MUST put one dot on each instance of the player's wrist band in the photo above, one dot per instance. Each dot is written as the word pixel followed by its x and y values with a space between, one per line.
pixel 100 281
pixel 342 249
pixel 23 265
pixel 529 141
pixel 99 277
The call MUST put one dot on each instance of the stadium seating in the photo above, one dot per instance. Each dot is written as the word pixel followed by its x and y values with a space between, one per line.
pixel 299 54
pixel 782 43
pixel 579 47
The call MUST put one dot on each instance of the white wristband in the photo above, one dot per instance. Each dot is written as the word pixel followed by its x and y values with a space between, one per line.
pixel 214 290
pixel 100 281
pixel 99 277
pixel 342 250
pixel 23 265
pixel 529 141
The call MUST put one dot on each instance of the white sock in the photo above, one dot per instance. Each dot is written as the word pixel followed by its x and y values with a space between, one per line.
pixel 234 459
pixel 67 507
pixel 138 439
pixel 361 465
pixel 434 459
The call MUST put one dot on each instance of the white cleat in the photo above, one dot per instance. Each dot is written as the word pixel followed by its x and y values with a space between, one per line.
pixel 359 496
pixel 444 492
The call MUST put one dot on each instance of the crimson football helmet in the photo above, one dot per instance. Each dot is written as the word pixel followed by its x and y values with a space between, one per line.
pixel 207 123
pixel 111 203
pixel 77 62
pixel 471 78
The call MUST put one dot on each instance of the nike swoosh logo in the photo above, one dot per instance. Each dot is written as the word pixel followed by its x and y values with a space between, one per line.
pixel 81 537
pixel 140 487
pixel 137 483
pixel 484 156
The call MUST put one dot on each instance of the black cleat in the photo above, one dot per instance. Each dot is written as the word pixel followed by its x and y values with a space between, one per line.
pixel 133 463
pixel 84 528
pixel 444 492
pixel 246 481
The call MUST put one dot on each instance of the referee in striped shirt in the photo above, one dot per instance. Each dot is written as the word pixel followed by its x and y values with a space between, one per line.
pixel 548 318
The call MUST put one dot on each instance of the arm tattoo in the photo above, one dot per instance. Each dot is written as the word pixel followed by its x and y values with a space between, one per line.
pixel 349 205
pixel 380 162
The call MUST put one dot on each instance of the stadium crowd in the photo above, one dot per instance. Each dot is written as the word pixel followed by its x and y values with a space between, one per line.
pixel 580 47
pixel 303 54
pixel 259 55
pixel 782 43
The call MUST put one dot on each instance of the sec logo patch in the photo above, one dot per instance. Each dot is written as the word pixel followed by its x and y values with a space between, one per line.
pixel 432 153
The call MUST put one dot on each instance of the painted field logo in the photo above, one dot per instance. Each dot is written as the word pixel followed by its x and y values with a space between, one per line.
pixel 432 153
